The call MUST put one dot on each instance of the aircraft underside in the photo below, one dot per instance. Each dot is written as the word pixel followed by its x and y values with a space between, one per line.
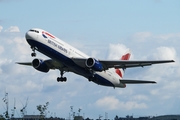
pixel 69 65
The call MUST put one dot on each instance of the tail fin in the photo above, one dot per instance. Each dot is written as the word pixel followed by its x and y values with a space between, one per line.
pixel 126 56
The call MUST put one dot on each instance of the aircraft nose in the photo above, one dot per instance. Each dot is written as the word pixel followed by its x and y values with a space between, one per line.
pixel 31 37
pixel 28 35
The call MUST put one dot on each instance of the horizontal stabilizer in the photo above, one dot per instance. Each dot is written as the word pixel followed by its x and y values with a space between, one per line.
pixel 52 64
pixel 25 63
pixel 136 81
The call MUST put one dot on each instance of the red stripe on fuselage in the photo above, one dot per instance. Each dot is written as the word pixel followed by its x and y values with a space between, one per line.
pixel 49 34
pixel 124 57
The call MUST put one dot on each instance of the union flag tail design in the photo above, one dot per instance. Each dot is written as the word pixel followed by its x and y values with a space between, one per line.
pixel 120 72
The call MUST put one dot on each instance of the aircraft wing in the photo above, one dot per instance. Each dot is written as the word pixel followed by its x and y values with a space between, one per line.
pixel 52 64
pixel 128 64
pixel 121 63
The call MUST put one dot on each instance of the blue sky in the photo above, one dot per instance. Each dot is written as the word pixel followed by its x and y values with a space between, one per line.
pixel 102 29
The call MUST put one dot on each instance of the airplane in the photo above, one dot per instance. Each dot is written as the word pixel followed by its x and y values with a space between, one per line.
pixel 66 58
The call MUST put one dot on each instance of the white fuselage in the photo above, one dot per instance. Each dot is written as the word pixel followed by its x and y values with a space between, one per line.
pixel 60 51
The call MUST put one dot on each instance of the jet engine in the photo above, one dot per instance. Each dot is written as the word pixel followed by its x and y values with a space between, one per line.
pixel 94 64
pixel 40 65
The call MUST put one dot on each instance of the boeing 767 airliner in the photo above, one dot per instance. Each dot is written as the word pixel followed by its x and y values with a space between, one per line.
pixel 68 59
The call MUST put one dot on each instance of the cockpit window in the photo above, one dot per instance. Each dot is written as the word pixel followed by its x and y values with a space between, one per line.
pixel 34 31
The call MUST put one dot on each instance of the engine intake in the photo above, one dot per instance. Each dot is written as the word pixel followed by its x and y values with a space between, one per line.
pixel 94 64
pixel 40 65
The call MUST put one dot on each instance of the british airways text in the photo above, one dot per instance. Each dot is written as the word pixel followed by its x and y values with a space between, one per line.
pixel 58 46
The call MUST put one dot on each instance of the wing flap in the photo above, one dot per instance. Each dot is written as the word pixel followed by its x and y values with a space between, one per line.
pixel 136 81
pixel 132 65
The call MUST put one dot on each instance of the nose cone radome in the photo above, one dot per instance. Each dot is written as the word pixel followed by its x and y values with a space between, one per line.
pixel 29 35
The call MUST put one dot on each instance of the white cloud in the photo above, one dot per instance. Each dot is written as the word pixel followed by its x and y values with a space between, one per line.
pixel 62 104
pixel 116 51
pixel 95 53
pixel 142 36
pixel 22 47
pixel 158 72
pixel 168 88
pixel 112 103
pixel 165 53
pixel 172 85
pixel 109 102
pixel 140 97
pixel 1 49
pixel 1 28
pixel 152 38
pixel 155 92
pixel 127 91
pixel 31 86
pixel 169 36
pixel 13 29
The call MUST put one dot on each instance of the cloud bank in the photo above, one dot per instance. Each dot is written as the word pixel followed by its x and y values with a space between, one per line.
pixel 13 29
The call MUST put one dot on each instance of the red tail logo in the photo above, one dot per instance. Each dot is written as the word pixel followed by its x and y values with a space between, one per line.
pixel 124 57
pixel 119 73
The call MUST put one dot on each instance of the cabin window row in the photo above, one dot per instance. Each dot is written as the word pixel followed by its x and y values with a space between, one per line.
pixel 34 31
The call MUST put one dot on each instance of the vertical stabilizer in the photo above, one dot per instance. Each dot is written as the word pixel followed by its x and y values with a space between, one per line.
pixel 126 56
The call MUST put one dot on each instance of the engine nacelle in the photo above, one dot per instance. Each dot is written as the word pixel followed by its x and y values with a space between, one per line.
pixel 94 64
pixel 39 65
